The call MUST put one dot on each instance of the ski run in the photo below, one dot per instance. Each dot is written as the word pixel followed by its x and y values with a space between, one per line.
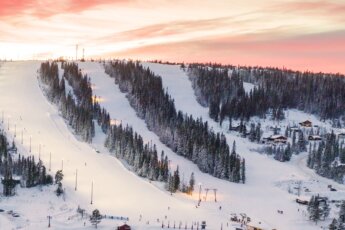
pixel 95 179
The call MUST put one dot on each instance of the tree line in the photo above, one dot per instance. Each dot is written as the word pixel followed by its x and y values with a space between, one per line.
pixel 339 222
pixel 327 158
pixel 185 135
pixel 81 110
pixel 221 89
pixel 30 172
pixel 78 113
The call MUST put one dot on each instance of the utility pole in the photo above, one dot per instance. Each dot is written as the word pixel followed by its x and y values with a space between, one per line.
pixel 76 179
pixel 91 192
pixel 199 192
pixel 50 161
pixel 76 52
pixel 49 218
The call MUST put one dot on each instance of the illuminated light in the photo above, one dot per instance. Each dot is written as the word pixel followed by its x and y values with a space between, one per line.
pixel 97 99
pixel 115 122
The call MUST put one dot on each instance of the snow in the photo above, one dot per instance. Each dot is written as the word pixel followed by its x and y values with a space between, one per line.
pixel 118 191
pixel 260 196
pixel 68 87
pixel 248 86
pixel 276 136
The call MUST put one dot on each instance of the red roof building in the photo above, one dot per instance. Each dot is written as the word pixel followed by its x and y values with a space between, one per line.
pixel 124 227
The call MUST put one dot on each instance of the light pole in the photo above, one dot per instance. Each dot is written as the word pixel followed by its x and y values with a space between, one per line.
pixel 91 192
pixel 199 192
pixel 50 161
pixel 49 218
pixel 76 179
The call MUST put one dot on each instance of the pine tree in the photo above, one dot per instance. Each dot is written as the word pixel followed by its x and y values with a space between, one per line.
pixel 258 132
pixel 333 225
pixel 252 132
pixel 325 209
pixel 58 177
pixel 191 184
pixel 176 180
pixel 314 209
pixel 95 218
pixel 59 189
pixel 301 142
pixel 342 212
pixel 243 171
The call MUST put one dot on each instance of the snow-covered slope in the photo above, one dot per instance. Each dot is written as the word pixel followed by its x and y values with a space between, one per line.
pixel 260 195
pixel 119 192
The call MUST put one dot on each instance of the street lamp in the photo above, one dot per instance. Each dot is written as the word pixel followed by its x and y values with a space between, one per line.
pixel 30 145
pixel 200 192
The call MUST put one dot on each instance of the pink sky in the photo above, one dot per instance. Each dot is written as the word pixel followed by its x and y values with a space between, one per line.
pixel 303 35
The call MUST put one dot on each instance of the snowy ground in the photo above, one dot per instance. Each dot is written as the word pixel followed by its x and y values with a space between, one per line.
pixel 263 173
pixel 117 191
pixel 120 192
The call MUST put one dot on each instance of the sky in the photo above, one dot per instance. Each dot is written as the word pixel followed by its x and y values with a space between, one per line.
pixel 301 35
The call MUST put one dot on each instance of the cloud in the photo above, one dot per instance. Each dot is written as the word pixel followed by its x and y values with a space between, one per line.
pixel 334 9
pixel 172 28
pixel 318 52
pixel 47 8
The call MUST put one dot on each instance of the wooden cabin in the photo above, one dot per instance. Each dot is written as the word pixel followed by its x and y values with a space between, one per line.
pixel 255 226
pixel 306 123
pixel 314 138
pixel 277 139
pixel 124 227
pixel 304 202
pixel 274 139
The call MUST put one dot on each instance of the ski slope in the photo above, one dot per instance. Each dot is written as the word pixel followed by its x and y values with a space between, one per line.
pixel 259 198
pixel 263 173
pixel 118 191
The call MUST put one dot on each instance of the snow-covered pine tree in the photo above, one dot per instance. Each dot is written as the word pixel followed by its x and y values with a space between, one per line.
pixel 95 218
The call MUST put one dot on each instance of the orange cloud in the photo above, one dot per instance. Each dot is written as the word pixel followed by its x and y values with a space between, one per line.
pixel 317 52
pixel 335 9
pixel 166 29
pixel 47 8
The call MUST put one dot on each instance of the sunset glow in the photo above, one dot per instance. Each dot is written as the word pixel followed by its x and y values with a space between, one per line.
pixel 303 35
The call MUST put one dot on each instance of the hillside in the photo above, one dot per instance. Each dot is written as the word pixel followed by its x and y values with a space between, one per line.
pixel 117 190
